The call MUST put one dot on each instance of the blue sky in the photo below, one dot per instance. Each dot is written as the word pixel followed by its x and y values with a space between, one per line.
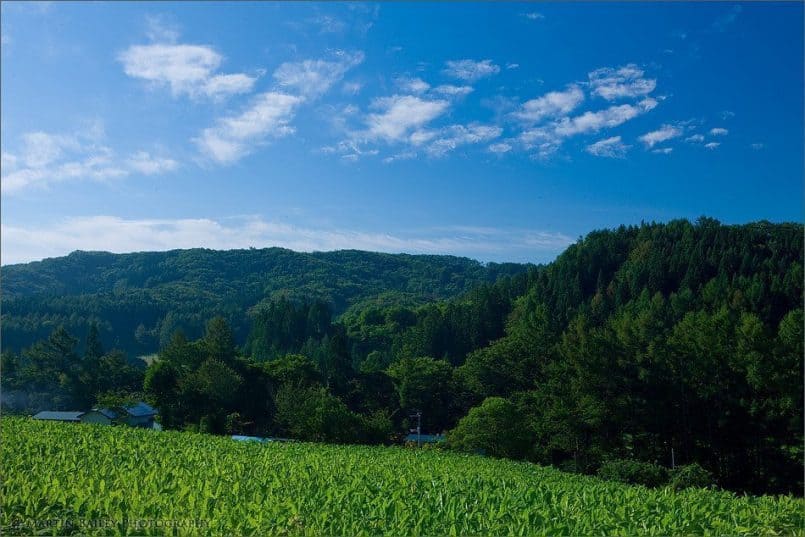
pixel 495 131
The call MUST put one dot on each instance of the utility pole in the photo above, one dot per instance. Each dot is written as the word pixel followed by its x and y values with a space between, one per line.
pixel 418 416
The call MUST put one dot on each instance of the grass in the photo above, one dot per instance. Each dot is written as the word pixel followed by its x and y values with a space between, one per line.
pixel 63 478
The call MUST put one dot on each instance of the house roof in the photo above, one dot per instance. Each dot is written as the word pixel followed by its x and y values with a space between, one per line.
pixel 111 414
pixel 58 416
pixel 244 438
pixel 424 437
pixel 140 410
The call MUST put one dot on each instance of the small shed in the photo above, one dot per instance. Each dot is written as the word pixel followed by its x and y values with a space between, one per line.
pixel 102 416
pixel 52 415
pixel 140 415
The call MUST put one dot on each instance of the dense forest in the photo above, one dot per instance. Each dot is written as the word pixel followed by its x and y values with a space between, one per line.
pixel 138 300
pixel 635 343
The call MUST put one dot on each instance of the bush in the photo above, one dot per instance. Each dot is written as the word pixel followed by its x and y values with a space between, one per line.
pixel 691 475
pixel 634 472
pixel 494 428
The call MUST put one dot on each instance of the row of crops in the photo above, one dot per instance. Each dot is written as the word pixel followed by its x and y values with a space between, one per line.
pixel 61 479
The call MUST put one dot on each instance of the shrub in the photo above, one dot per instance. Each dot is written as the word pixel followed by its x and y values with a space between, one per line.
pixel 691 475
pixel 494 428
pixel 634 472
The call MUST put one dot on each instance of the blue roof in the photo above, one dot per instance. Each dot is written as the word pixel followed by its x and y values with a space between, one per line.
pixel 58 416
pixel 140 409
pixel 424 438
pixel 242 438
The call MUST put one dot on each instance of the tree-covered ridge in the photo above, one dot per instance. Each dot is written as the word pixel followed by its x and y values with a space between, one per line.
pixel 140 299
pixel 659 344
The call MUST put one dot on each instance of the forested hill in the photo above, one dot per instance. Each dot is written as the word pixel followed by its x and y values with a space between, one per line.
pixel 655 343
pixel 140 299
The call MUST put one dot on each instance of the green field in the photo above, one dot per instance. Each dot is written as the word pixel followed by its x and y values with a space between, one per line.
pixel 60 479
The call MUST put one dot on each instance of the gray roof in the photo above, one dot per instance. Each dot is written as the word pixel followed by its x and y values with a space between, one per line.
pixel 140 409
pixel 111 414
pixel 58 416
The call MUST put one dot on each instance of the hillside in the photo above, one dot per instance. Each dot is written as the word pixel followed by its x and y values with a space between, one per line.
pixel 677 343
pixel 140 299
pixel 216 486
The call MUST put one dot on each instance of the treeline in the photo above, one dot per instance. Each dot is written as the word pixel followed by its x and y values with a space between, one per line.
pixel 139 300
pixel 641 344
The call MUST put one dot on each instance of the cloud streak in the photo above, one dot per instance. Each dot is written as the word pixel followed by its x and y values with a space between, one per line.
pixel 110 233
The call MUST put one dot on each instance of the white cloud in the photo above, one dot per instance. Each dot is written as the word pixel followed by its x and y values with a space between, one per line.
pixel 399 115
pixel 719 131
pixel 609 147
pixel 351 88
pixel 663 150
pixel 109 233
pixel 534 16
pixel 470 70
pixel 233 137
pixel 712 145
pixel 727 114
pixel 664 133
pixel 512 66
pixel 625 82
pixel 696 138
pixel 554 103
pixel 453 91
pixel 186 69
pixel 45 159
pixel 328 24
pixel 607 118
pixel 500 148
pixel 159 30
pixel 313 78
pixel 449 138
pixel 147 164
pixel 412 85
pixel 222 85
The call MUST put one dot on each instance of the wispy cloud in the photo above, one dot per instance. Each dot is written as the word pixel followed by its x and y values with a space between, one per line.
pixel 449 138
pixel 718 131
pixel 46 158
pixel 712 145
pixel 727 19
pixel 412 85
pixel 453 91
pixel 757 146
pixel 663 150
pixel 624 82
pixel 268 116
pixel 312 78
pixel 470 70
pixel 533 16
pixel 609 147
pixel 397 116
pixel 554 103
pixel 695 138
pixel 185 69
pixel 109 233
pixel 500 148
pixel 547 139
pixel 663 134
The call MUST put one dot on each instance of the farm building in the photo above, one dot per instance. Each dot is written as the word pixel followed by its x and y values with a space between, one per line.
pixel 103 416
pixel 136 415
pixel 51 415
